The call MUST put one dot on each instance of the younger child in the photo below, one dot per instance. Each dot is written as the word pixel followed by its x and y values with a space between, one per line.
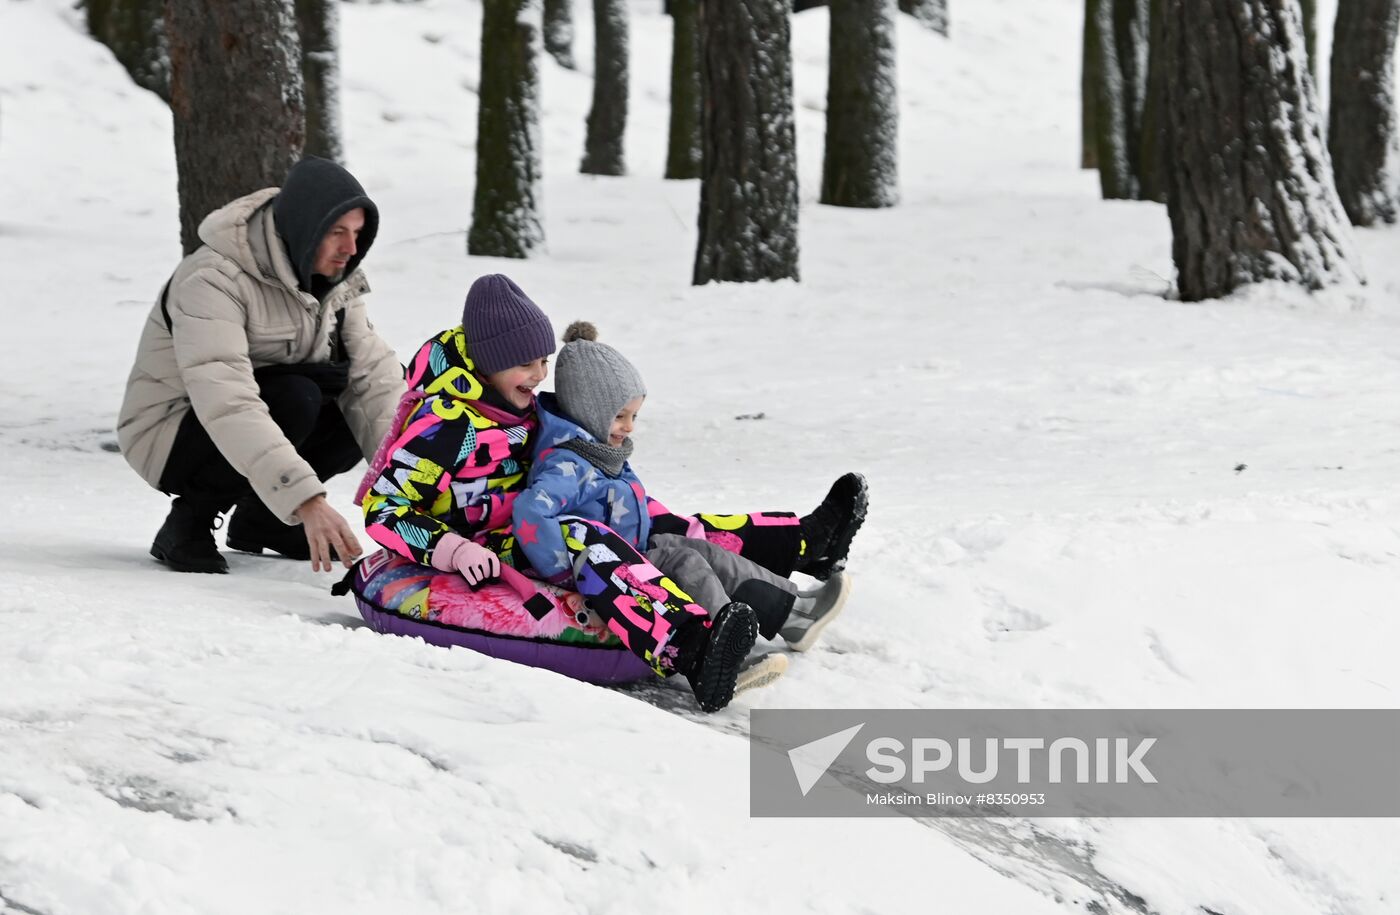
pixel 580 470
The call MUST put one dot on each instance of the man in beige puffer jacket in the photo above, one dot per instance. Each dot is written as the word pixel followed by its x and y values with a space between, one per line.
pixel 258 375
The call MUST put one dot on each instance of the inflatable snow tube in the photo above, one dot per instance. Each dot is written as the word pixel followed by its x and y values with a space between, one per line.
pixel 400 597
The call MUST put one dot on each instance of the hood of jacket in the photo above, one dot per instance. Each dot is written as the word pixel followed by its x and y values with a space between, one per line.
pixel 555 425
pixel 442 367
pixel 559 430
pixel 239 231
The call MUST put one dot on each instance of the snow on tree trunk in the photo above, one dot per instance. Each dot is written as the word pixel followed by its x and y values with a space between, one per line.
pixel 748 188
pixel 1250 191
pixel 683 149
pixel 1121 26
pixel 862 116
pixel 607 119
pixel 505 209
pixel 932 13
pixel 1090 75
pixel 559 32
pixel 236 98
pixel 318 25
pixel 1152 159
pixel 1361 131
pixel 135 31
pixel 1309 8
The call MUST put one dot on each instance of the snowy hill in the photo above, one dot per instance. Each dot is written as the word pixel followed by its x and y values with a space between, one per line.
pixel 1083 496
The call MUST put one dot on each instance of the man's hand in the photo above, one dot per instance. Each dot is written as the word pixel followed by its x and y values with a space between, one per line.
pixel 326 530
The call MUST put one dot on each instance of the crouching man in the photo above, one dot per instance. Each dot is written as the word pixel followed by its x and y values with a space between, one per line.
pixel 259 376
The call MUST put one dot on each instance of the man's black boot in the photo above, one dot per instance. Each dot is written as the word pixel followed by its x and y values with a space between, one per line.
pixel 252 528
pixel 185 542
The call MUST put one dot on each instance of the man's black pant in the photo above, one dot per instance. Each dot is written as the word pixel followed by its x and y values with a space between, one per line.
pixel 308 416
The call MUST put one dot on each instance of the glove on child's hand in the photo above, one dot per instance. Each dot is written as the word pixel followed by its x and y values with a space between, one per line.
pixel 477 564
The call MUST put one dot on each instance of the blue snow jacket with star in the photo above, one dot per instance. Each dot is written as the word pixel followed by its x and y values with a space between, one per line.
pixel 563 484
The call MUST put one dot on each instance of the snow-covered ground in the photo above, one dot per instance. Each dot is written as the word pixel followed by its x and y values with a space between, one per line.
pixel 1083 496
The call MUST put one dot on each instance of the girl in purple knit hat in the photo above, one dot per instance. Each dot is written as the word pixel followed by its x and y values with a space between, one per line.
pixel 442 490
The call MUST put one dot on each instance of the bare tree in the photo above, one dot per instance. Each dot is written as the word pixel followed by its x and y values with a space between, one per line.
pixel 559 32
pixel 1152 158
pixel 861 167
pixel 748 191
pixel 236 98
pixel 505 209
pixel 1361 131
pixel 932 13
pixel 1121 28
pixel 1090 75
pixel 1250 193
pixel 318 25
pixel 683 149
pixel 607 119
pixel 135 31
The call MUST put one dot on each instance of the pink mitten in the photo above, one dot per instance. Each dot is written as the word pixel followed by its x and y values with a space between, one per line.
pixel 476 563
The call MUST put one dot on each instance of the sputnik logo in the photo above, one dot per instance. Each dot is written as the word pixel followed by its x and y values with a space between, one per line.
pixel 811 760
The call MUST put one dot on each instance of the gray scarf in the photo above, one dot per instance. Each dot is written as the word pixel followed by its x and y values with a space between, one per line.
pixel 605 457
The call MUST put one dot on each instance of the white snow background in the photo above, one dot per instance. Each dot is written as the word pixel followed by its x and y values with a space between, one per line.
pixel 1083 495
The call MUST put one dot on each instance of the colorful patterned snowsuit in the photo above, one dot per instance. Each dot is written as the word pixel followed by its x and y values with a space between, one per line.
pixel 458 464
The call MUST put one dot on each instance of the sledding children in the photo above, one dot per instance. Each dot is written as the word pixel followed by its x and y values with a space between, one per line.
pixel 443 484
pixel 580 474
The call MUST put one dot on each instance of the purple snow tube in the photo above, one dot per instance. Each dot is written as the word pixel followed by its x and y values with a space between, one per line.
pixel 400 597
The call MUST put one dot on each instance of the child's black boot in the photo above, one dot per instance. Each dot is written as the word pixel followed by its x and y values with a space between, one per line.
pixel 711 658
pixel 829 530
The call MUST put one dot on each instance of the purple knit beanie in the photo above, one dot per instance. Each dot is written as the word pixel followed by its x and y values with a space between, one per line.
pixel 503 327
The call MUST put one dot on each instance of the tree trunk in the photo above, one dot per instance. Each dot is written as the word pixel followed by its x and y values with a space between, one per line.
pixel 1122 31
pixel 607 119
pixel 1152 164
pixel 505 209
pixel 135 31
pixel 1250 193
pixel 748 191
pixel 559 32
pixel 1361 131
pixel 236 98
pixel 1090 75
pixel 683 150
pixel 862 116
pixel 318 24
pixel 932 13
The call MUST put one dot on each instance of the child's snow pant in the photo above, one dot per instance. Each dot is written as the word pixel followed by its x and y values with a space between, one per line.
pixel 715 576
pixel 651 614
pixel 773 540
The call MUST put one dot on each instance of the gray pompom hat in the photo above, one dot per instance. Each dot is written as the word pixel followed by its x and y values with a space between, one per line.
pixel 593 381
